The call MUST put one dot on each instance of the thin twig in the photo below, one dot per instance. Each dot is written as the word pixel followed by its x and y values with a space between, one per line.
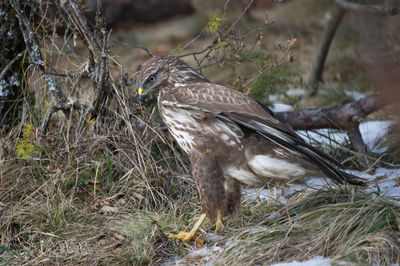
pixel 233 25
pixel 62 107
pixel 135 46
pixel 5 69
pixel 192 40
pixel 207 65
pixel 196 52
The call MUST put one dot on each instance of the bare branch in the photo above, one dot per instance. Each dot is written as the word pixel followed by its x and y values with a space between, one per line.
pixel 135 46
pixel 323 49
pixel 344 117
pixel 32 44
pixel 358 144
pixel 378 10
pixel 80 22
pixel 207 65
pixel 102 75
pixel 66 107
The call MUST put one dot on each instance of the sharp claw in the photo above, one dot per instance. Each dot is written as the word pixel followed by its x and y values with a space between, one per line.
pixel 186 238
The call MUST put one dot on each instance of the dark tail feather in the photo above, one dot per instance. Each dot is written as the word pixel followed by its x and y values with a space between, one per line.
pixel 354 180
pixel 292 142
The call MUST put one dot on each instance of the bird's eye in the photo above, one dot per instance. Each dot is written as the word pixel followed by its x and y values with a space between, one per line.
pixel 152 78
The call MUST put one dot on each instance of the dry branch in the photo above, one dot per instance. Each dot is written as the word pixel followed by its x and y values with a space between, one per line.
pixel 341 7
pixel 346 117
pixel 36 56
pixel 318 65
pixel 98 45
pixel 63 107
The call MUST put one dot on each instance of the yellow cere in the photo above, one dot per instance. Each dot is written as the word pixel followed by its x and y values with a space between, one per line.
pixel 140 91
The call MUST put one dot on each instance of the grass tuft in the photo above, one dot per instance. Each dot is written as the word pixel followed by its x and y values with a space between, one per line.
pixel 341 225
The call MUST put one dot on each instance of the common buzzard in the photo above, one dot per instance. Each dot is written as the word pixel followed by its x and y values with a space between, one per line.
pixel 230 138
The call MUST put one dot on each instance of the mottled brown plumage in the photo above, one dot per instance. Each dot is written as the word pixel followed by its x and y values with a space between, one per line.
pixel 231 139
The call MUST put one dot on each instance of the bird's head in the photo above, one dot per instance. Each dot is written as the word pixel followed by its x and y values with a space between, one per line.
pixel 163 72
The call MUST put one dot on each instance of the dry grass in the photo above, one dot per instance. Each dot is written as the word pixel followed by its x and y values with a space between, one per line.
pixel 85 194
pixel 338 224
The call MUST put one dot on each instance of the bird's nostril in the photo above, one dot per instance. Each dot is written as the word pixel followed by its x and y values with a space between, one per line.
pixel 142 98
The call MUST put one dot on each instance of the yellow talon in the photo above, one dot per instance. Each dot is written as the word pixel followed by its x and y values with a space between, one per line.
pixel 187 237
pixel 218 224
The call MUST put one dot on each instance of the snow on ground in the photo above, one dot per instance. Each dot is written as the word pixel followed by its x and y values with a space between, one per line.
pixel 384 182
pixel 316 261
pixel 290 92
pixel 355 95
pixel 373 134
pixel 281 107
pixel 296 92
pixel 202 256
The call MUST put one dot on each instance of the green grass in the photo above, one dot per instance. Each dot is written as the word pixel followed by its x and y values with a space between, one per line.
pixel 275 81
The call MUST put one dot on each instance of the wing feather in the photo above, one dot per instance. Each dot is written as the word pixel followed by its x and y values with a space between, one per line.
pixel 227 104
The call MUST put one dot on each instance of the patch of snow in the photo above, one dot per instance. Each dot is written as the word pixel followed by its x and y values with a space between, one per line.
pixel 316 261
pixel 355 95
pixel 384 182
pixel 211 237
pixel 296 92
pixel 316 183
pixel 281 107
pixel 275 195
pixel 204 251
pixel 373 133
pixel 273 97
pixel 265 195
pixel 202 256
pixel 324 136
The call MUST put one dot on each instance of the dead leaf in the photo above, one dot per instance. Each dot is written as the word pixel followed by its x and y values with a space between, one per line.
pixel 119 237
pixel 121 201
pixel 109 210
pixel 4 183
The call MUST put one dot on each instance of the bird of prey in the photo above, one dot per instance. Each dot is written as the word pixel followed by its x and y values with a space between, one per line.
pixel 231 139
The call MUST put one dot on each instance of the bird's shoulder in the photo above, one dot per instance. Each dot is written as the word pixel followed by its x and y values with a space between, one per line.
pixel 210 97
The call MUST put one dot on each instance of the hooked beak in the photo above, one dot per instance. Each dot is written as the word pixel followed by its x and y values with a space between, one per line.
pixel 142 95
pixel 142 98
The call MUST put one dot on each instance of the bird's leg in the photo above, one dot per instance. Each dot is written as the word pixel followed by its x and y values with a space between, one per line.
pixel 218 224
pixel 187 237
